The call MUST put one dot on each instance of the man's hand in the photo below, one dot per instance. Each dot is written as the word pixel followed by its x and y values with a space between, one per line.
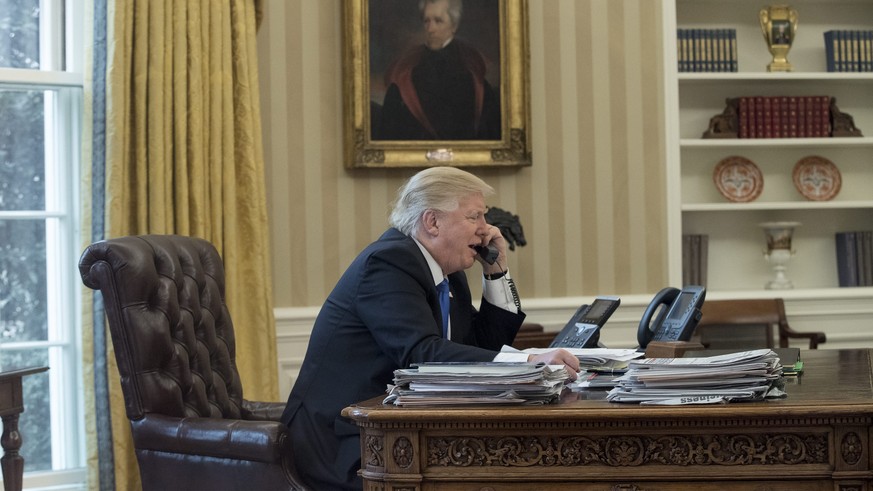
pixel 491 235
pixel 559 356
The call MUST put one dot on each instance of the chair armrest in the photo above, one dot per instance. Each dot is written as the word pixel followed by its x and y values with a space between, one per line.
pixel 815 338
pixel 258 441
pixel 262 411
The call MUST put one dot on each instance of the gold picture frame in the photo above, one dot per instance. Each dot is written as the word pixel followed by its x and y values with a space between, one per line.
pixel 364 69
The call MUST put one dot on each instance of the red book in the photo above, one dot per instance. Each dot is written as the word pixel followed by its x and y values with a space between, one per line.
pixel 811 120
pixel 768 117
pixel 792 117
pixel 825 115
pixel 759 117
pixel 801 117
pixel 744 117
pixel 776 115
pixel 783 116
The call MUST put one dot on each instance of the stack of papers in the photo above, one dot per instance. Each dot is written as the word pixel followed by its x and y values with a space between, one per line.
pixel 429 384
pixel 792 365
pixel 743 376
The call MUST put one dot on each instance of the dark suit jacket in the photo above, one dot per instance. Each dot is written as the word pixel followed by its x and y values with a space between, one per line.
pixel 382 315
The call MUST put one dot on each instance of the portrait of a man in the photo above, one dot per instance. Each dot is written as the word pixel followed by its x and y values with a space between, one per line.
pixel 781 32
pixel 434 70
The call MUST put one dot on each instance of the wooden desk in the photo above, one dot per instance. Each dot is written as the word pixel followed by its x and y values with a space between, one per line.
pixel 816 438
pixel 11 406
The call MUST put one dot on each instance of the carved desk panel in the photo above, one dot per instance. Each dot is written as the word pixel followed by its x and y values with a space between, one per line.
pixel 817 438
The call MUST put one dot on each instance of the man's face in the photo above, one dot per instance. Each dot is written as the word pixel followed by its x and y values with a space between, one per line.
pixel 460 231
pixel 438 27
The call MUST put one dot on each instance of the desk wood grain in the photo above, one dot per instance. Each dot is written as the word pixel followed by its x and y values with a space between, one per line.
pixel 816 438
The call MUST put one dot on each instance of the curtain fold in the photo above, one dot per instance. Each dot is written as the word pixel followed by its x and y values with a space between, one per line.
pixel 177 150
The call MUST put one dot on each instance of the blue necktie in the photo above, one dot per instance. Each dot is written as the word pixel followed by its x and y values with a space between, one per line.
pixel 443 289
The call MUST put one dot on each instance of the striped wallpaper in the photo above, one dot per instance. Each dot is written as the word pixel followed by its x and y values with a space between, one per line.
pixel 592 204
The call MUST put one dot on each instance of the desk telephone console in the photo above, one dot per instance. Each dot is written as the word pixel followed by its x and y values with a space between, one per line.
pixel 672 315
pixel 583 329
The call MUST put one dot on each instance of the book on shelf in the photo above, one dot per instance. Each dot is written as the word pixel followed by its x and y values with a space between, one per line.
pixel 849 50
pixel 695 259
pixel 706 50
pixel 866 255
pixel 784 116
pixel 854 258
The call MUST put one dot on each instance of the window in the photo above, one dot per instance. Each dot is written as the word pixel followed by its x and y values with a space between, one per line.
pixel 41 107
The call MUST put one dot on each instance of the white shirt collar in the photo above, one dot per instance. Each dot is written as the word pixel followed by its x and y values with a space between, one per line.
pixel 435 268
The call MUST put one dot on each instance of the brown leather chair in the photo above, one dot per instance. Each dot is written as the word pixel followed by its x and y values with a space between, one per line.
pixel 174 344
pixel 747 324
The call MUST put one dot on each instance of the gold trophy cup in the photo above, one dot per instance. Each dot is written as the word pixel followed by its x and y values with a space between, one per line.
pixel 779 24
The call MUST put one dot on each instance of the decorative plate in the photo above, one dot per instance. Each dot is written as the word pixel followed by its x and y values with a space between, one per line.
pixel 817 178
pixel 738 179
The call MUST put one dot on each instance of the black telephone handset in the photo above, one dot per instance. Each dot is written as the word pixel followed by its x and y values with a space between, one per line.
pixel 678 312
pixel 488 253
pixel 583 329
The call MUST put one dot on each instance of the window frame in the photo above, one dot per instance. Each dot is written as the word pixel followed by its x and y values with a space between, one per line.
pixel 61 78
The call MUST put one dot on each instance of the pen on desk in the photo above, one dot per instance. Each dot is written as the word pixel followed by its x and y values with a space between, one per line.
pixel 607 371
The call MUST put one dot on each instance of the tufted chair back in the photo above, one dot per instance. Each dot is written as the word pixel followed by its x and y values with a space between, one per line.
pixel 175 349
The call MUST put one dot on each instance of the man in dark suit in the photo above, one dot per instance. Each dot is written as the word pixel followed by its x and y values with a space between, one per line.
pixel 384 314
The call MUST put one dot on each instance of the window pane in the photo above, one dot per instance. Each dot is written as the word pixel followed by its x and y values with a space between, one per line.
pixel 19 33
pixel 23 290
pixel 36 442
pixel 22 154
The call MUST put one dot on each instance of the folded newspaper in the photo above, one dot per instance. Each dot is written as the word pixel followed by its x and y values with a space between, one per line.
pixel 430 384
pixel 742 376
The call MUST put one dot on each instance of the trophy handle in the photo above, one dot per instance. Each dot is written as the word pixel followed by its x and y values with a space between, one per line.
pixel 792 19
pixel 764 15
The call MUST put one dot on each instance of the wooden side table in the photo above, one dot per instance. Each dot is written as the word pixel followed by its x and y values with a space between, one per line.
pixel 11 406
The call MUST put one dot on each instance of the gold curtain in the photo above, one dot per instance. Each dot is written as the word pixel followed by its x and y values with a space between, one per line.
pixel 184 156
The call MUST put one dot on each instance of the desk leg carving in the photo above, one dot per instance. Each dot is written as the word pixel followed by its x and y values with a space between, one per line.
pixel 403 452
pixel 373 446
pixel 12 463
pixel 851 448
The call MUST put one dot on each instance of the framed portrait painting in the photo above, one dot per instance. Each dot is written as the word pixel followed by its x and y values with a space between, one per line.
pixel 436 82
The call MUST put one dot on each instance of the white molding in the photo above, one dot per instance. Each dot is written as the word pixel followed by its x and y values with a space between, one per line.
pixel 43 78
pixel 293 327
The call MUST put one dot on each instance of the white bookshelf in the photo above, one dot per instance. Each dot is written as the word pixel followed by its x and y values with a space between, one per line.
pixel 737 267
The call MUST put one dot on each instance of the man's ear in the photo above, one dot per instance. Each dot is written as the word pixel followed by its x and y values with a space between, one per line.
pixel 429 223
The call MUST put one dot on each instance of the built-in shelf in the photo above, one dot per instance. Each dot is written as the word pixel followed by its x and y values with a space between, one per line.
pixel 722 77
pixel 794 294
pixel 786 205
pixel 781 142
pixel 693 99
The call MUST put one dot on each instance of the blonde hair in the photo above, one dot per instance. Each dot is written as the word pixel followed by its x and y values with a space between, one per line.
pixel 435 188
